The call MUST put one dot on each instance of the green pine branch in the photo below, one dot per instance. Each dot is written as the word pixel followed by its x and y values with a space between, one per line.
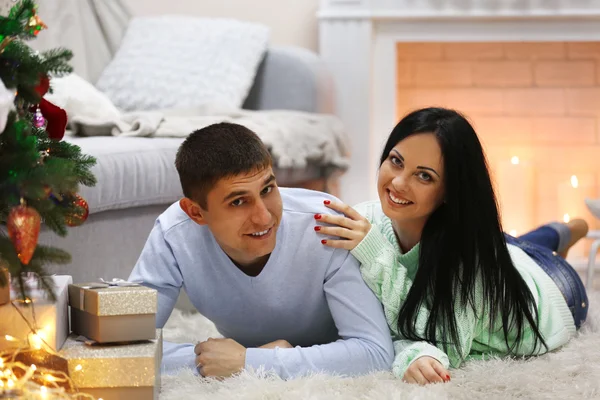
pixel 43 256
pixel 17 20
pixel 22 11
pixel 56 61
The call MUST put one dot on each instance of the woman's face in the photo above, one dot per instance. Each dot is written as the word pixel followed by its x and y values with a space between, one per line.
pixel 411 179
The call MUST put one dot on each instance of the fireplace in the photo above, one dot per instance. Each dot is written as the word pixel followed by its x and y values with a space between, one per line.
pixel 526 75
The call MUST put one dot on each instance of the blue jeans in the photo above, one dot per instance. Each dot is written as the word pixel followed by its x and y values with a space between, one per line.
pixel 541 245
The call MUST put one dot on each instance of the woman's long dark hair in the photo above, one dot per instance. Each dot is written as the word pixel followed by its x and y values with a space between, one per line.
pixel 462 242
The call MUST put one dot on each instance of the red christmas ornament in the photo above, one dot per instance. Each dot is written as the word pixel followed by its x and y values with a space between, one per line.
pixel 56 119
pixel 81 212
pixel 23 230
pixel 44 85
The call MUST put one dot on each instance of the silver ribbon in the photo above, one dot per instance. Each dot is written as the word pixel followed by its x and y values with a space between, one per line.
pixel 118 282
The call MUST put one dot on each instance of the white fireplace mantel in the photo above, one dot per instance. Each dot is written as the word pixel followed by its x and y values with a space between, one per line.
pixel 357 40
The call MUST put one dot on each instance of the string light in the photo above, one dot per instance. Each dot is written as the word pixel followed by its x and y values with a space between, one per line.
pixel 566 218
pixel 36 340
pixel 514 160
pixel 30 382
pixel 574 181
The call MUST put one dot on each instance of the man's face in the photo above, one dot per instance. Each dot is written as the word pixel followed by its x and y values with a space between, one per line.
pixel 243 213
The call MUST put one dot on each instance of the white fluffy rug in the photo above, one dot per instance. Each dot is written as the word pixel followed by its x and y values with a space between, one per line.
pixel 571 372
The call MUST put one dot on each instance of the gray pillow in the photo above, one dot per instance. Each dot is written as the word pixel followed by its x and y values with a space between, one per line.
pixel 178 61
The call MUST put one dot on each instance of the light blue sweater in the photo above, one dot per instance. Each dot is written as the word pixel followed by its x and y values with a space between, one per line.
pixel 308 294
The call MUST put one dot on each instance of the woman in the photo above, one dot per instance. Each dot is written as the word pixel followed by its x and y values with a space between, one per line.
pixel 452 284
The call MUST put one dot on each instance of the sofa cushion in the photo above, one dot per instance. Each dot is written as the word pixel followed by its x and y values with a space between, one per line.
pixel 131 172
pixel 137 171
pixel 178 61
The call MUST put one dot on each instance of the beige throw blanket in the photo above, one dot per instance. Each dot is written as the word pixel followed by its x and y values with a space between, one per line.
pixel 294 138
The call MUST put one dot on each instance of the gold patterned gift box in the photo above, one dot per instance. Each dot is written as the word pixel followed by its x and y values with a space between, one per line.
pixel 110 313
pixel 115 371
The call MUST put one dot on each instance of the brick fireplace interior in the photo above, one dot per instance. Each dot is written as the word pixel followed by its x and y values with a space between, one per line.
pixel 536 108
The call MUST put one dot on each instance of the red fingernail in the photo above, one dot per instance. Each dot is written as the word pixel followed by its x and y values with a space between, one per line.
pixel 317 216
pixel 317 228
pixel 448 377
pixel 327 202
pixel 324 241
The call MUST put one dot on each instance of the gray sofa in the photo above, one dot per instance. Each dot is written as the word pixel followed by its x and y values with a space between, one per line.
pixel 137 178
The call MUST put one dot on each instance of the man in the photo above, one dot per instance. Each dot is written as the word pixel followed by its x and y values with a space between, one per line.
pixel 247 256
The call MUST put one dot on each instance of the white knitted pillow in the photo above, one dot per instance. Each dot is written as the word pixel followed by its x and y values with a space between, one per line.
pixel 177 61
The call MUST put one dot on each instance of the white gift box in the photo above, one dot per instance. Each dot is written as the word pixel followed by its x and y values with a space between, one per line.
pixel 52 318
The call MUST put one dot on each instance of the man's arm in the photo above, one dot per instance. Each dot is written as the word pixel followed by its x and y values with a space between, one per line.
pixel 158 269
pixel 365 344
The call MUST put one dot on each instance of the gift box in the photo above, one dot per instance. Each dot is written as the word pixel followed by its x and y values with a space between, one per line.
pixel 4 290
pixel 51 319
pixel 107 312
pixel 110 371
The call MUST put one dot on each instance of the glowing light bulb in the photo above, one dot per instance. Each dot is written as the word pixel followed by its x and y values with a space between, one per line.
pixel 50 378
pixel 33 367
pixel 10 338
pixel 78 367
pixel 36 341
pixel 10 383
pixel 574 181
pixel 566 218
pixel 514 160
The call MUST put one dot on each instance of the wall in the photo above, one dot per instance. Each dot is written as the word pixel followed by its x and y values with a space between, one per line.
pixel 539 102
pixel 293 22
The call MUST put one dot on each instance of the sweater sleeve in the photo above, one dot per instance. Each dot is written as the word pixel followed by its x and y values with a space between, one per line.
pixel 365 343
pixel 387 277
pixel 157 268
pixel 408 351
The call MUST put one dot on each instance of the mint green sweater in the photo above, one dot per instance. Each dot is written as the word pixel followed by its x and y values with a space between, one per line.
pixel 390 274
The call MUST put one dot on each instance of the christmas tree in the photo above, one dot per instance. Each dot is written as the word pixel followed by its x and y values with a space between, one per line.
pixel 39 173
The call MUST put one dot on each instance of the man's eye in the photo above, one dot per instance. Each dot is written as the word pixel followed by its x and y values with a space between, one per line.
pixel 267 190
pixel 237 202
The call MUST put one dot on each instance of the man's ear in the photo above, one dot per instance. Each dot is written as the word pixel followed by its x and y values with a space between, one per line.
pixel 193 210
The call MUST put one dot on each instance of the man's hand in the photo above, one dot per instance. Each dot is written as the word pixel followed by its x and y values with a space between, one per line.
pixel 426 370
pixel 283 344
pixel 220 358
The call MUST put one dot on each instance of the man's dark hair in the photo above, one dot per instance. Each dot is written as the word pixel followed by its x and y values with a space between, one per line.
pixel 215 152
